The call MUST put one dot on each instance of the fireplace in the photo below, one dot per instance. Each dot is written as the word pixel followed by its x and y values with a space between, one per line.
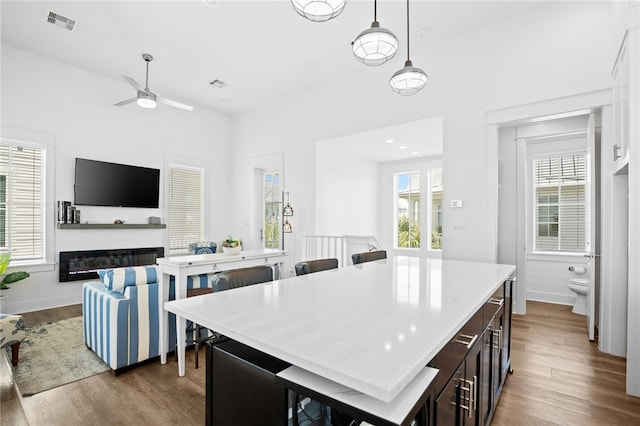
pixel 82 265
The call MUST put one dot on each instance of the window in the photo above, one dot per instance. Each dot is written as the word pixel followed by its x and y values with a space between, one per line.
pixel 408 208
pixel 560 207
pixel 272 205
pixel 186 207
pixel 435 185
pixel 22 206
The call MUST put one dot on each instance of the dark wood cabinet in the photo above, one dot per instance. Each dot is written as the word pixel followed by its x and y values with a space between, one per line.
pixel 473 367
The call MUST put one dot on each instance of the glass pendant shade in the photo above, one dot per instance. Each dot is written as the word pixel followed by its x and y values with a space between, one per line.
pixel 375 46
pixel 286 227
pixel 409 80
pixel 319 10
pixel 288 210
pixel 146 100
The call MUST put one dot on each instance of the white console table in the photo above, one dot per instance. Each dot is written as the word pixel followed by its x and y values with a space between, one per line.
pixel 182 267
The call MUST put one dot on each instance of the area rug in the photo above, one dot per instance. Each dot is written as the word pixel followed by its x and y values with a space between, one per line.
pixel 53 354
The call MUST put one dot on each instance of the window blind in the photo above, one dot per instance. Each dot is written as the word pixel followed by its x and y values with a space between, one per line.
pixel 22 201
pixel 185 207
pixel 560 204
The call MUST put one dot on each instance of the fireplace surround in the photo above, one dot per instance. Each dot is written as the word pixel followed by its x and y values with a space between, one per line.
pixel 82 265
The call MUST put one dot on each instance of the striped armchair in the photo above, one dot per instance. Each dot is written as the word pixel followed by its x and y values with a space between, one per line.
pixel 120 314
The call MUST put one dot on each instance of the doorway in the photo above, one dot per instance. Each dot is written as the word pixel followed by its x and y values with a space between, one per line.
pixel 549 175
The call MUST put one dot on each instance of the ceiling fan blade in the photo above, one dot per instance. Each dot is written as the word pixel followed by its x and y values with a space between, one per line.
pixel 134 83
pixel 128 101
pixel 174 103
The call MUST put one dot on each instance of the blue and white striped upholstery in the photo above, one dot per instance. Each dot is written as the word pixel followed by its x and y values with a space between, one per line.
pixel 122 326
pixel 119 278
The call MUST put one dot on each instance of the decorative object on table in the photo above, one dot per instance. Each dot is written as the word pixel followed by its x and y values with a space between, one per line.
pixel 376 45
pixel 12 333
pixel 11 278
pixel 231 245
pixel 203 247
pixel 409 80
pixel 154 220
pixel 319 10
pixel 118 221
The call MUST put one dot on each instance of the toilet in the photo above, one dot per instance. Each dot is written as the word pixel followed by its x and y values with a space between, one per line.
pixel 581 288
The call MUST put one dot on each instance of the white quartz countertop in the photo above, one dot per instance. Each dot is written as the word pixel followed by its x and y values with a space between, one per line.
pixel 371 327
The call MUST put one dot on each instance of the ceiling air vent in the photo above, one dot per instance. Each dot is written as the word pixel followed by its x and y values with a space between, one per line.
pixel 61 21
pixel 217 83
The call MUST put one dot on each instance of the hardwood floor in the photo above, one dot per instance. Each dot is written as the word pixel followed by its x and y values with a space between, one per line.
pixel 560 378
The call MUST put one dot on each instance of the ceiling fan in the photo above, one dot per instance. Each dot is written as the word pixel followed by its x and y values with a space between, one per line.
pixel 145 97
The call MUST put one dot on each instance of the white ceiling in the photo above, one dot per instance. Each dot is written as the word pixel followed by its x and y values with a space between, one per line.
pixel 415 139
pixel 263 50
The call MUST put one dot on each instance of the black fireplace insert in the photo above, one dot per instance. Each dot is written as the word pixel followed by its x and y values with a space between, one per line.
pixel 82 265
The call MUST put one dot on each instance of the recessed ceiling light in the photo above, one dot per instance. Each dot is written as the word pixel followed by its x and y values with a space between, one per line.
pixel 402 147
pixel 389 141
pixel 421 32
pixel 415 153
pixel 211 3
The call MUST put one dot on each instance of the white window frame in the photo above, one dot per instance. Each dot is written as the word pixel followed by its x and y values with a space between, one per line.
pixel 270 163
pixel 424 166
pixel 554 147
pixel 183 166
pixel 33 139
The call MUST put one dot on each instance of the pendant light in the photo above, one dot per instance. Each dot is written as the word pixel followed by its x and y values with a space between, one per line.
pixel 319 10
pixel 375 46
pixel 409 80
pixel 287 210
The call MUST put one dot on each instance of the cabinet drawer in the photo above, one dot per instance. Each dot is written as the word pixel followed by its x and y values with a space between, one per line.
pixel 493 305
pixel 449 358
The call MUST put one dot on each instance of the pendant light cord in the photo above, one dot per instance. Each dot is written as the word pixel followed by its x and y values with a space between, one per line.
pixel 375 11
pixel 407 30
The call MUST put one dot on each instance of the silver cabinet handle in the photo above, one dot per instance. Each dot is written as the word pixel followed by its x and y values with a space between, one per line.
pixel 497 302
pixel 498 334
pixel 471 400
pixel 469 343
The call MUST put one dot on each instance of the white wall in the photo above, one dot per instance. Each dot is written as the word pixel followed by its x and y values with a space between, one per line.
pixel 347 193
pixel 76 109
pixel 525 59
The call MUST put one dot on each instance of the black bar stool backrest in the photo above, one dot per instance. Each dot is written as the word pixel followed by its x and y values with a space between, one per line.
pixel 241 277
pixel 311 266
pixel 368 256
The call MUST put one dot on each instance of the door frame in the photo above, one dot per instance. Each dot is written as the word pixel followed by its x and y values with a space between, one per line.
pixel 508 117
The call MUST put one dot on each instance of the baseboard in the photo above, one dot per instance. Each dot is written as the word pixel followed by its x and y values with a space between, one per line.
pixel 39 304
pixel 559 299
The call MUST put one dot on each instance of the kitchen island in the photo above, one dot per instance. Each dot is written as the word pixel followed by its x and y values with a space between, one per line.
pixel 390 334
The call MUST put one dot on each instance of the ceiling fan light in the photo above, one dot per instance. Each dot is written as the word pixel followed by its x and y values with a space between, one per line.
pixel 146 100
pixel 409 80
pixel 319 10
pixel 375 46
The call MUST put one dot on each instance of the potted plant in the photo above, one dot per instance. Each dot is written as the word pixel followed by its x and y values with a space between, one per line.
pixel 11 278
pixel 231 245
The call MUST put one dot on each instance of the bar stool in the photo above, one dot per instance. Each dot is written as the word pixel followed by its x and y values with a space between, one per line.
pixel 311 266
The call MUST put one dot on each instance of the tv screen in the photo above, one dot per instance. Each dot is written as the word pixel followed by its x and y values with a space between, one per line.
pixel 98 183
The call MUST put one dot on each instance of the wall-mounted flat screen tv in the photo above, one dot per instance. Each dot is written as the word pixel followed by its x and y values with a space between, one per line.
pixel 98 183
